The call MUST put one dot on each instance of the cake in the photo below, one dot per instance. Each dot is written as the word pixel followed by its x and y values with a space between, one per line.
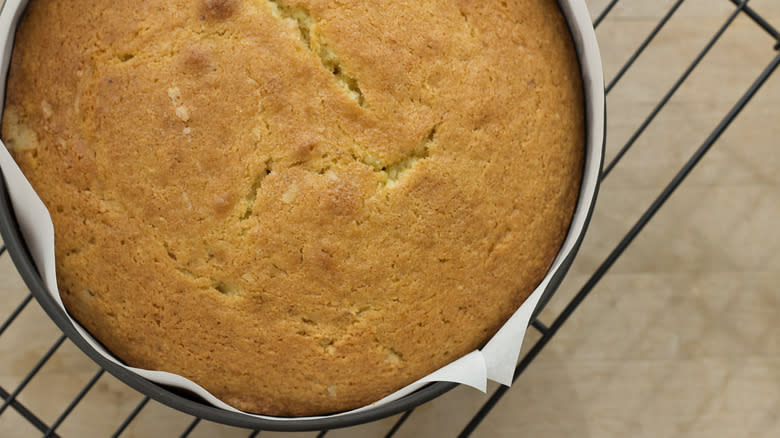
pixel 301 206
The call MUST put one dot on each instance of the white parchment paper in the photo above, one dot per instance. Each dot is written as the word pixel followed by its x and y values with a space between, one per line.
pixel 496 361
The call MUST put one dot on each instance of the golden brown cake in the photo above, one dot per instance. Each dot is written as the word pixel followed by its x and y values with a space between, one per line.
pixel 302 206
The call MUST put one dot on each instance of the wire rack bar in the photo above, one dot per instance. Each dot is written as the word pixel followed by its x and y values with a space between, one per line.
pixel 760 21
pixel 604 13
pixel 73 403
pixel 190 428
pixel 26 413
pixel 635 136
pixel 539 326
pixel 400 422
pixel 15 314
pixel 254 433
pixel 8 400
pixel 130 418
pixel 644 45
pixel 626 241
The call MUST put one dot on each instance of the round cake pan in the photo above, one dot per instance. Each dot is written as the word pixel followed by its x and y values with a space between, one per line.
pixel 584 37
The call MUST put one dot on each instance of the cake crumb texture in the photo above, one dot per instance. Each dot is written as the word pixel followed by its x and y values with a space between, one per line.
pixel 301 206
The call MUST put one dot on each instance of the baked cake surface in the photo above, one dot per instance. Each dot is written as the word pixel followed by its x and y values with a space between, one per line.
pixel 302 206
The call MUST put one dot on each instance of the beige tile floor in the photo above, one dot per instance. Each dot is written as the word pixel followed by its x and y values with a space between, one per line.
pixel 680 339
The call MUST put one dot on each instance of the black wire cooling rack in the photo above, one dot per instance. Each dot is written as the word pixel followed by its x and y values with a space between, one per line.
pixel 9 398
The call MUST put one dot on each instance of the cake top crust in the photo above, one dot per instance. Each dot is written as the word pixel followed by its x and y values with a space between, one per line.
pixel 302 206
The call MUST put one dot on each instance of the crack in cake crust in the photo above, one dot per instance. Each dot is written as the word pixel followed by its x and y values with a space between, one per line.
pixel 316 43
